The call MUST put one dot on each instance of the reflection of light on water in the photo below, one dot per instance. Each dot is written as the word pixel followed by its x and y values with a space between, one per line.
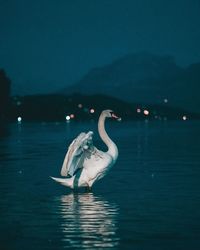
pixel 88 221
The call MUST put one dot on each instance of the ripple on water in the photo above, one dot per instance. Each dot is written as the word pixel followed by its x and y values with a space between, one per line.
pixel 88 221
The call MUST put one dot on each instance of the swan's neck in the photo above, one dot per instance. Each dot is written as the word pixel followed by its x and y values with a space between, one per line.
pixel 112 148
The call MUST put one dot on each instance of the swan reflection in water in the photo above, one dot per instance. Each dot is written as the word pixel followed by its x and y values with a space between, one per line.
pixel 88 221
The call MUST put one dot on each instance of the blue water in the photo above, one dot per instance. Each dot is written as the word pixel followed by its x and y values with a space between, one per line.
pixel 149 200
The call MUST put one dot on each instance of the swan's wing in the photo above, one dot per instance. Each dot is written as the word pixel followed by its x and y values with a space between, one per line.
pixel 76 153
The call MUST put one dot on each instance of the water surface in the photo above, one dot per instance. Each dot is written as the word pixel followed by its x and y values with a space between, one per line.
pixel 149 200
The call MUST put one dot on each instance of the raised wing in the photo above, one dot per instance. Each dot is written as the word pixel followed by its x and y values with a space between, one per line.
pixel 76 153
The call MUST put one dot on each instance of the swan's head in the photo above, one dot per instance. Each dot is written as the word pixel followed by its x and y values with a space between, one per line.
pixel 110 114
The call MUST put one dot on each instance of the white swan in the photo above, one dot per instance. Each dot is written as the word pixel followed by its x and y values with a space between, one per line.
pixel 84 164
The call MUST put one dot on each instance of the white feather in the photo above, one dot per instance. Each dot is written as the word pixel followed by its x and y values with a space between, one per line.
pixel 84 164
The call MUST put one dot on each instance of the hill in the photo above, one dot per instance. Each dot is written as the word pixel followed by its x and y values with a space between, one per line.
pixel 144 78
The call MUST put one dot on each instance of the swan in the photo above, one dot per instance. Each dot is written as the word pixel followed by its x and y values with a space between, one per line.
pixel 84 164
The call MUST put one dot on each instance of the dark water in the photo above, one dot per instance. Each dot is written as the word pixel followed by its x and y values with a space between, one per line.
pixel 149 200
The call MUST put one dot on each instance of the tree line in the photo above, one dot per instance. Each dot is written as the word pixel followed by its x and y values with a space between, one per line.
pixel 5 88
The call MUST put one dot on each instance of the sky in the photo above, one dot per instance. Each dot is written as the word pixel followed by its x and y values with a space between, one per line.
pixel 46 45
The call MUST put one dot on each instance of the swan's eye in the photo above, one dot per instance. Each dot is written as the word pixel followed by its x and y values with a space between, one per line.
pixel 112 114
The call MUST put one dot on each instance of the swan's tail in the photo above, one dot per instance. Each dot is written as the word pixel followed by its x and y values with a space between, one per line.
pixel 68 182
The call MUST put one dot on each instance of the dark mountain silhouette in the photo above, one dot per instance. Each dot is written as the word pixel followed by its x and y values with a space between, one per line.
pixel 187 87
pixel 144 78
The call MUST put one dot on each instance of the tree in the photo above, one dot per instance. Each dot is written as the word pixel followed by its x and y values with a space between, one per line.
pixel 5 85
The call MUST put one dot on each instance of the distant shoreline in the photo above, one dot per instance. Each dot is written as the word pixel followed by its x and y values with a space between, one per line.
pixel 78 107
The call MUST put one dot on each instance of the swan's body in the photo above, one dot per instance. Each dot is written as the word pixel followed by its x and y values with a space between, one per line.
pixel 84 164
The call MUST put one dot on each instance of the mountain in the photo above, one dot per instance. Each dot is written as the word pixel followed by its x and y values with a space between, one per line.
pixel 188 88
pixel 144 78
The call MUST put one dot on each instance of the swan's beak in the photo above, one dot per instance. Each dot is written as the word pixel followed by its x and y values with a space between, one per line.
pixel 116 117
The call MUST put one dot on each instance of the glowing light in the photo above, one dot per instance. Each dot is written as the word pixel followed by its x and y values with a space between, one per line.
pixel 19 119
pixel 184 118
pixel 146 112
pixel 92 111
pixel 72 116
pixel 67 118
pixel 138 110
pixel 80 105
pixel 165 100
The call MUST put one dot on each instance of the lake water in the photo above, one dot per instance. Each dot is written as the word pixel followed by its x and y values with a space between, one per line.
pixel 149 200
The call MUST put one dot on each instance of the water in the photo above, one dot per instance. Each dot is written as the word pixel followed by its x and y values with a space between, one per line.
pixel 149 200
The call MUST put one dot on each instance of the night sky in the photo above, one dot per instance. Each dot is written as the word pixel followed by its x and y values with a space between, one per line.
pixel 46 45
